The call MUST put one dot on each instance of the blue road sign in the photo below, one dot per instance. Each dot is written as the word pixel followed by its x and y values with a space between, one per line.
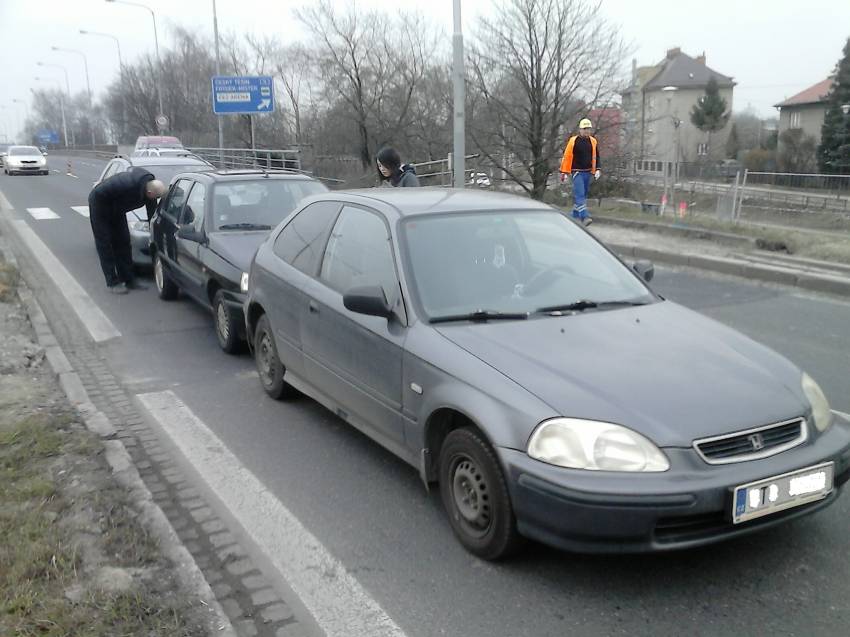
pixel 45 136
pixel 242 94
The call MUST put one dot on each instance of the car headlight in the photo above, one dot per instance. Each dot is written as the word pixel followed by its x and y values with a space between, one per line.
pixel 140 226
pixel 821 413
pixel 243 282
pixel 574 443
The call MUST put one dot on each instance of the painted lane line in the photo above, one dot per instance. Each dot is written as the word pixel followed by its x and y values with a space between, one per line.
pixel 70 175
pixel 337 601
pixel 95 321
pixel 83 210
pixel 42 213
pixel 842 414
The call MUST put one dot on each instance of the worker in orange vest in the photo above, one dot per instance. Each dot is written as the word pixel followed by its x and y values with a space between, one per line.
pixel 581 163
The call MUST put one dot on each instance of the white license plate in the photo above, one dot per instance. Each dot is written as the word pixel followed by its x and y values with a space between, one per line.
pixel 785 491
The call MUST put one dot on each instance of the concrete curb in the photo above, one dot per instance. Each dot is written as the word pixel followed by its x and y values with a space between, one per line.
pixel 120 462
pixel 723 238
pixel 839 286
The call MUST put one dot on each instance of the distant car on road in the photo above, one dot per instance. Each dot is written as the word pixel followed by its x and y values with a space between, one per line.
pixel 205 233
pixel 24 160
pixel 4 148
pixel 164 169
pixel 163 152
pixel 157 141
pixel 511 358
pixel 482 180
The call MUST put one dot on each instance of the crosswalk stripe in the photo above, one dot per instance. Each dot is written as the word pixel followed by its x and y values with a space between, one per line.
pixel 83 210
pixel 42 213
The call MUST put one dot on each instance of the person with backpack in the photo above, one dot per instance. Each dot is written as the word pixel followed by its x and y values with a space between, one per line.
pixel 393 172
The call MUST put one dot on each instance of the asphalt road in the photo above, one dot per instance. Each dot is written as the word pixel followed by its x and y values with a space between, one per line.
pixel 371 512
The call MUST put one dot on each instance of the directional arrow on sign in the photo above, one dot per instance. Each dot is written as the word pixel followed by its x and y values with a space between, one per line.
pixel 264 104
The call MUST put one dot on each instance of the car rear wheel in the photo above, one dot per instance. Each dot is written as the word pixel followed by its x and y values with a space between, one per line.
pixel 269 367
pixel 475 495
pixel 226 325
pixel 165 287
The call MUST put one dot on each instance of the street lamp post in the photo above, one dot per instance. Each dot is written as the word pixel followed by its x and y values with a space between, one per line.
pixel 845 108
pixel 120 74
pixel 156 43
pixel 61 108
pixel 17 115
pixel 459 92
pixel 88 86
pixel 67 90
pixel 669 167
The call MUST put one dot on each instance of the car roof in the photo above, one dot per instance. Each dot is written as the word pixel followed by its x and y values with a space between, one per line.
pixel 167 160
pixel 241 175
pixel 416 201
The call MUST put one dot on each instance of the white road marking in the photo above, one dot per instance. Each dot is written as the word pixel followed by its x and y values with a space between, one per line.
pixel 842 414
pixel 42 213
pixel 53 170
pixel 70 175
pixel 335 598
pixel 83 210
pixel 95 321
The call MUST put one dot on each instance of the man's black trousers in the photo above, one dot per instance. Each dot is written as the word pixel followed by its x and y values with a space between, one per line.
pixel 112 240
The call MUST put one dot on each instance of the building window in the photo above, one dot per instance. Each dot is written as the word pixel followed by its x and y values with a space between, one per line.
pixel 702 149
pixel 795 119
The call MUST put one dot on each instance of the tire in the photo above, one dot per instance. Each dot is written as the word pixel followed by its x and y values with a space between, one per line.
pixel 165 287
pixel 269 367
pixel 226 325
pixel 476 497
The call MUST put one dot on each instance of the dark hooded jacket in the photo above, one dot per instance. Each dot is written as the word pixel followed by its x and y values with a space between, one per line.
pixel 405 176
pixel 125 191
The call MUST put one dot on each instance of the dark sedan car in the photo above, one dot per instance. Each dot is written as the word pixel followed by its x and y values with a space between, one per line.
pixel 206 230
pixel 507 355
pixel 164 169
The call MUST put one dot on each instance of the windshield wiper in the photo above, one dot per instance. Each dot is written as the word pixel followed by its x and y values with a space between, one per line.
pixel 481 315
pixel 244 226
pixel 585 304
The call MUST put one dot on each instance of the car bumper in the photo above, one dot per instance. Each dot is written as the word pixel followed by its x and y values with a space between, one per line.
pixel 689 505
pixel 27 169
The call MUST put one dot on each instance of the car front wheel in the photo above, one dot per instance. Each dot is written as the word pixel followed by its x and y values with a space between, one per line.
pixel 165 287
pixel 226 325
pixel 475 495
pixel 269 367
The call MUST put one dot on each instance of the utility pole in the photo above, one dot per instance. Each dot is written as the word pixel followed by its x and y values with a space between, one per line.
pixel 459 150
pixel 218 72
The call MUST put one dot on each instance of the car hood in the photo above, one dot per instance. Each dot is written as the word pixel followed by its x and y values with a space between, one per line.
pixel 237 247
pixel 24 157
pixel 660 369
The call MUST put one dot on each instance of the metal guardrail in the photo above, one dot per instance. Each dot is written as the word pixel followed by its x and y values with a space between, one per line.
pixel 269 159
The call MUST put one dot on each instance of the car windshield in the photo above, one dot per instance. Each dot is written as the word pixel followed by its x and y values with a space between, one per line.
pixel 259 203
pixel 512 262
pixel 24 150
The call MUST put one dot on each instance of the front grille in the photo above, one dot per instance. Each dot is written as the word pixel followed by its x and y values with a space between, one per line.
pixel 752 444
pixel 28 161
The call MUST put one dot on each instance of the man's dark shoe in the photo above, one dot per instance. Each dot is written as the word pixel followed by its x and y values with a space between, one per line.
pixel 136 285
pixel 118 288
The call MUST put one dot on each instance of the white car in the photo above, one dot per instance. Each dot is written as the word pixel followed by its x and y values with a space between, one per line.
pixel 25 159
pixel 482 180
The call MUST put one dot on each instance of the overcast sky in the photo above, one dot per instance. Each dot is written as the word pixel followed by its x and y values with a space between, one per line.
pixel 773 49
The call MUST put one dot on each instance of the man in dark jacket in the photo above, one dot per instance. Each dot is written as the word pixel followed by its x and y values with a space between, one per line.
pixel 109 203
pixel 390 169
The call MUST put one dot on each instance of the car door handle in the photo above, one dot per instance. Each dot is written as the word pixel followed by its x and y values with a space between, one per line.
pixel 314 309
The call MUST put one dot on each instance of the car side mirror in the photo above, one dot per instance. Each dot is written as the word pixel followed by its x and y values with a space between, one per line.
pixel 645 269
pixel 369 300
pixel 187 231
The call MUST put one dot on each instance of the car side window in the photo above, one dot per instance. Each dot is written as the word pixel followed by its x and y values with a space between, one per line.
pixel 194 211
pixel 359 253
pixel 301 242
pixel 176 198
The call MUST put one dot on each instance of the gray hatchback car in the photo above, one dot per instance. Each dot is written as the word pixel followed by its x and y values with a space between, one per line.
pixel 505 353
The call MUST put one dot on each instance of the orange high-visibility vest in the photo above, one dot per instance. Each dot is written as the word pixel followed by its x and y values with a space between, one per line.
pixel 567 161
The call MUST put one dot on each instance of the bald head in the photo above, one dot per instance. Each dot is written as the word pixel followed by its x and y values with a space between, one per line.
pixel 155 189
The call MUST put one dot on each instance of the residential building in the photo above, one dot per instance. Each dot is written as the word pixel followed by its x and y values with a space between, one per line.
pixel 805 110
pixel 661 96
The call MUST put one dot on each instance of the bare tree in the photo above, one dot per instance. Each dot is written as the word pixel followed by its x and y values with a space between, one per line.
pixel 535 66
